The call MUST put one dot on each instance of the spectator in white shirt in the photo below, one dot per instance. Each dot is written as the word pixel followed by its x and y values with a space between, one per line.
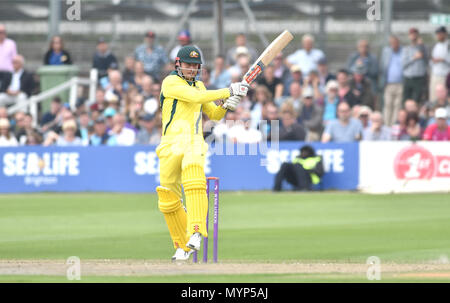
pixel 306 58
pixel 124 135
pixel 6 137
pixel 242 132
pixel 440 61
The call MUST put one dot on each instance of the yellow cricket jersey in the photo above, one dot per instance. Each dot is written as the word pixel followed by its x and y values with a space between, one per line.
pixel 182 103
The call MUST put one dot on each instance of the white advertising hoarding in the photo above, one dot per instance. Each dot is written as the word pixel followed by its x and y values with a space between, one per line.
pixel 404 167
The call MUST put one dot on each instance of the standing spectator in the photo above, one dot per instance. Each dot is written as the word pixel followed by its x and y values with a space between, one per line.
pixel 20 83
pixel 8 50
pixel 344 128
pixel 290 129
pixel 6 137
pixel 440 61
pixel 440 130
pixel 310 116
pixel 152 55
pixel 269 80
pixel 362 87
pixel 391 79
pixel 414 60
pixel 330 101
pixel 104 59
pixel 147 129
pixel 220 76
pixel 125 136
pixel 240 41
pixel 100 135
pixel 307 57
pixel 324 74
pixel 399 128
pixel 345 93
pixel 363 57
pixel 377 131
pixel 56 54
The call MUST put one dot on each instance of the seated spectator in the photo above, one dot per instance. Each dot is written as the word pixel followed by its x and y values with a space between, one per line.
pixel 413 129
pixel 67 138
pixel 7 139
pixel 18 123
pixel 8 50
pixel 3 112
pixel 113 83
pixel 139 75
pixel 112 100
pixel 290 129
pixel 268 79
pixel 242 63
pixel 344 128
pixel 362 88
pixel 100 135
pixel 124 135
pixel 26 130
pixel 240 41
pixel 206 78
pixel 220 76
pixel 295 96
pixel 100 102
pixel 442 98
pixel 242 132
pixel 310 115
pixel 440 130
pixel 262 96
pixel 411 106
pixel 304 171
pixel 281 71
pixel 56 54
pixel 34 138
pixel 147 134
pixel 376 131
pixel 294 76
pixel 324 74
pixel 128 70
pixel 363 58
pixel 364 113
pixel 85 127
pixel 269 119
pixel 345 92
pixel 307 57
pixel 136 110
pixel 19 84
pixel 152 55
pixel 399 128
pixel 331 101
pixel 104 59
pixel 109 113
pixel 48 119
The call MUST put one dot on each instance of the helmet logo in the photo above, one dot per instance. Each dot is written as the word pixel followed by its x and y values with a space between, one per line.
pixel 193 54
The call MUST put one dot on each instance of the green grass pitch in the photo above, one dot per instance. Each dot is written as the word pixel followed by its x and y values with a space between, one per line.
pixel 255 227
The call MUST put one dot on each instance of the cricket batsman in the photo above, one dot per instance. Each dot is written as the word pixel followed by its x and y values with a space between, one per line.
pixel 182 149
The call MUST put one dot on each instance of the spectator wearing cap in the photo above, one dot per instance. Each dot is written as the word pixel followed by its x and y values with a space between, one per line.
pixel 391 79
pixel 310 115
pixel 364 113
pixel 147 134
pixel 19 83
pixel 220 76
pixel 56 54
pixel 104 59
pixel 290 129
pixel 439 61
pixel 295 75
pixel 414 60
pixel 307 57
pixel 324 74
pixel 362 87
pixel 240 41
pixel 100 135
pixel 376 131
pixel 8 50
pixel 345 93
pixel 440 130
pixel 363 57
pixel 152 55
pixel 269 80
pixel 344 128
pixel 7 139
pixel 109 113
pixel 184 38
pixel 124 135
pixel 330 101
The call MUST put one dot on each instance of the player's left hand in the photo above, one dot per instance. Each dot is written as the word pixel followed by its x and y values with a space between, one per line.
pixel 232 102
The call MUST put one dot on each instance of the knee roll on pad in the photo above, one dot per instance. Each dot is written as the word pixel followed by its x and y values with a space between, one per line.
pixel 193 177
pixel 168 201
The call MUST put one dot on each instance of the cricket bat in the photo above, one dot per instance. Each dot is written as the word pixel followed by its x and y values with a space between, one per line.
pixel 267 56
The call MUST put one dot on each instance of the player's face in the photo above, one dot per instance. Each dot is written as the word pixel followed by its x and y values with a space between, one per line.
pixel 189 70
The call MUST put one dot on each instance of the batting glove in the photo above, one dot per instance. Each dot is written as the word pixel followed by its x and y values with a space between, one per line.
pixel 239 89
pixel 232 102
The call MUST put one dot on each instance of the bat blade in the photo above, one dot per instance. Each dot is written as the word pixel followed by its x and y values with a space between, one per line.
pixel 267 56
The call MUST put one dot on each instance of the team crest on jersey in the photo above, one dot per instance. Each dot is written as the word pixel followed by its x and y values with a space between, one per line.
pixel 193 54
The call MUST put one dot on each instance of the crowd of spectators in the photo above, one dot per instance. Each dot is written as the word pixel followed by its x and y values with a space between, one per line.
pixel 402 95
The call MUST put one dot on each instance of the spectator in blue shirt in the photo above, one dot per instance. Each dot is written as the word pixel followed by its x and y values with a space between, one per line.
pixel 56 54
pixel 152 55
pixel 220 76
pixel 344 128
pixel 100 135
pixel 330 101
